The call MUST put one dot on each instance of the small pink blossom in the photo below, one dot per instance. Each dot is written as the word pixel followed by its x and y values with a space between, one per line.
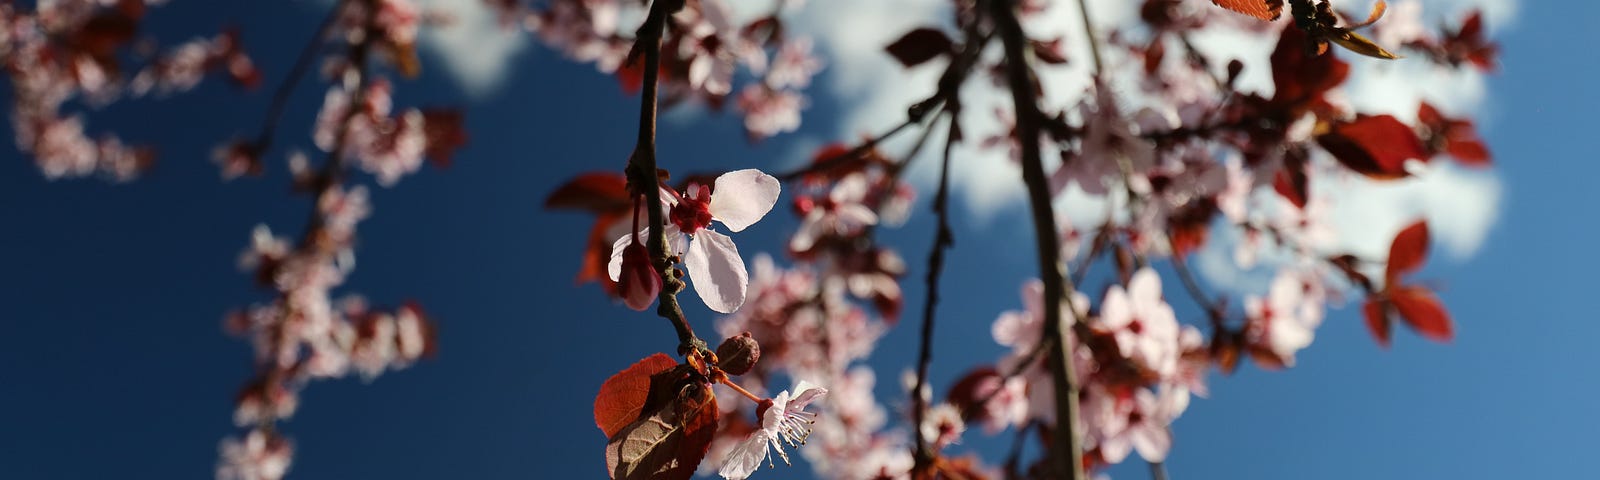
pixel 259 456
pixel 794 65
pixel 942 426
pixel 768 112
pixel 783 420
pixel 842 213
pixel 1146 430
pixel 1286 320
pixel 1144 325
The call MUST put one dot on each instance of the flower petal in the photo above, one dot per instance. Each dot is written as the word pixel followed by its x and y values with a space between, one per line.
pixel 746 457
pixel 614 267
pixel 805 392
pixel 717 271
pixel 742 197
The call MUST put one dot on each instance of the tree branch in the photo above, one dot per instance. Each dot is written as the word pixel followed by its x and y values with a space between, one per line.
pixel 943 239
pixel 643 178
pixel 1066 448
pixel 280 96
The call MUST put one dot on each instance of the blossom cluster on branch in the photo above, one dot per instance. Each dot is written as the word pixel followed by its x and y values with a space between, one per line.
pixel 1176 153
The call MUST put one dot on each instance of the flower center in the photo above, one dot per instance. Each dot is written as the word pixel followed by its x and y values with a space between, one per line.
pixel 691 214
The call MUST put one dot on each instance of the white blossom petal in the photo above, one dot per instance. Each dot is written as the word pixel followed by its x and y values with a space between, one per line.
pixel 717 271
pixel 742 197
pixel 746 457
pixel 614 267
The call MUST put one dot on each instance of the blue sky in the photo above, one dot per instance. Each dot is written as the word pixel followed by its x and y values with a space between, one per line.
pixel 113 360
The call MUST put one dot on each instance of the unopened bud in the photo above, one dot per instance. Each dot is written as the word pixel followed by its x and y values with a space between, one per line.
pixel 738 353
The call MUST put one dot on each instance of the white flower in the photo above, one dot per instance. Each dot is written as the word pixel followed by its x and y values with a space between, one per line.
pixel 785 421
pixel 739 200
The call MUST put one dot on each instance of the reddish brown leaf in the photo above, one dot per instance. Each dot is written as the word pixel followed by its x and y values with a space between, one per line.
pixel 1423 312
pixel 1375 146
pixel 1300 75
pixel 1455 137
pixel 622 397
pixel 670 442
pixel 1377 315
pixel 631 76
pixel 597 253
pixel 1291 181
pixel 445 133
pixel 1262 9
pixel 920 45
pixel 964 394
pixel 598 192
pixel 1406 253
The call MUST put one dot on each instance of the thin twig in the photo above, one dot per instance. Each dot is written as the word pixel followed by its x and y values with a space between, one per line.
pixel 1067 449
pixel 280 97
pixel 943 238
pixel 1213 308
pixel 1088 33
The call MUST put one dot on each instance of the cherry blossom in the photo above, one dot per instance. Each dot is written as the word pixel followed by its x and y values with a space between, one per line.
pixel 1286 320
pixel 260 455
pixel 768 112
pixel 1146 429
pixel 739 200
pixel 783 420
pixel 943 426
pixel 1145 328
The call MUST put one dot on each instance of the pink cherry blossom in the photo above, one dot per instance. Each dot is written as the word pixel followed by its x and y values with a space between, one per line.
pixel 794 65
pixel 637 280
pixel 260 455
pixel 1148 416
pixel 1144 325
pixel 943 426
pixel 768 111
pixel 784 420
pixel 741 198
pixel 1286 320
pixel 842 213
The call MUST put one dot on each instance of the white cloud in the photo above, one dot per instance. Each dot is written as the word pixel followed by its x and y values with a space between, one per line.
pixel 474 49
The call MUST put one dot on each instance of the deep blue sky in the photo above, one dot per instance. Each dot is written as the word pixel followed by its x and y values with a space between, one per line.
pixel 113 362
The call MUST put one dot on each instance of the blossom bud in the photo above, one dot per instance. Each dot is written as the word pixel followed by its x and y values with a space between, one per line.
pixel 738 353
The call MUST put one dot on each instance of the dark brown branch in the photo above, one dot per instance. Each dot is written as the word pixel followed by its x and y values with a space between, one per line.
pixel 1066 450
pixel 943 238
pixel 851 155
pixel 1158 471
pixel 643 178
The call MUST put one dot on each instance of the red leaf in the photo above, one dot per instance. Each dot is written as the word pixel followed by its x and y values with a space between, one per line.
pixel 1262 9
pixel 1409 249
pixel 598 192
pixel 1453 136
pixel 1291 181
pixel 920 45
pixel 445 133
pixel 622 397
pixel 964 393
pixel 1375 146
pixel 670 442
pixel 597 254
pixel 1378 321
pixel 631 76
pixel 1422 310
pixel 1299 73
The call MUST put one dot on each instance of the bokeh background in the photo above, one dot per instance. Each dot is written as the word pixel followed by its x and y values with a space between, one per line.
pixel 114 364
